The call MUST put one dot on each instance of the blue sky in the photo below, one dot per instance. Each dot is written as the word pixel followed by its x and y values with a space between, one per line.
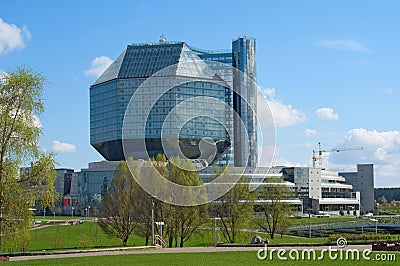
pixel 330 68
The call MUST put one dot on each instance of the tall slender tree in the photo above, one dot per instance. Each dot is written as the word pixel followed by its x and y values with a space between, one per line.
pixel 119 212
pixel 185 220
pixel 274 208
pixel 234 208
pixel 20 105
pixel 180 221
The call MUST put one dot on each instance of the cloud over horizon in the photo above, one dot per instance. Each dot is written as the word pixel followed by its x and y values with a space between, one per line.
pixel 99 65
pixel 284 114
pixel 326 114
pixel 63 147
pixel 309 133
pixel 12 37
pixel 382 148
pixel 348 45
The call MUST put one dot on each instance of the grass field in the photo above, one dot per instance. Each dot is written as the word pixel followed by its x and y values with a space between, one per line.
pixel 315 220
pixel 89 235
pixel 394 209
pixel 57 217
pixel 214 258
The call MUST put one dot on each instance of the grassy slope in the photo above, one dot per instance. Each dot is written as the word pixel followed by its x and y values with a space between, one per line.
pixel 216 258
pixel 90 235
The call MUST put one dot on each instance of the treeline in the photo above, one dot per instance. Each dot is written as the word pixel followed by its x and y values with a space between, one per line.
pixel 389 193
pixel 128 208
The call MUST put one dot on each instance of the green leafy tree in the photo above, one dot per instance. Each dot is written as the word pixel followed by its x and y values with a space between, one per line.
pixel 147 202
pixel 234 208
pixel 20 105
pixel 273 209
pixel 118 215
pixel 184 220
pixel 181 221
pixel 383 200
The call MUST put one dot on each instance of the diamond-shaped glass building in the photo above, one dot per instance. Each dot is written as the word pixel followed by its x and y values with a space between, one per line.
pixel 118 122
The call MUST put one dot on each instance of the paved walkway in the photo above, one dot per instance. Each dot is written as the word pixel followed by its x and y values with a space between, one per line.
pixel 152 250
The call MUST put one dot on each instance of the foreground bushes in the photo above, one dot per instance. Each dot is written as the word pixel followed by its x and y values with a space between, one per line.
pixel 364 237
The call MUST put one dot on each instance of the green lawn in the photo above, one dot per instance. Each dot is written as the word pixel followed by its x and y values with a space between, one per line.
pixel 315 220
pixel 51 217
pixel 389 209
pixel 86 235
pixel 89 235
pixel 216 258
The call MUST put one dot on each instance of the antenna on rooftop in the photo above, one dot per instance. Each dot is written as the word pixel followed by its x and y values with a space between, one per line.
pixel 162 38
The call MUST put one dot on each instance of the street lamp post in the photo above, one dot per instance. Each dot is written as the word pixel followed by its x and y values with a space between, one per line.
pixel 309 221
pixel 376 225
pixel 152 222
pixel 302 207
pixel 161 225
pixel 215 229
pixel 73 212
pixel 88 213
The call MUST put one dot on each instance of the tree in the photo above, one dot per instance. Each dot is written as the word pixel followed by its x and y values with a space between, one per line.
pixel 383 200
pixel 184 220
pixel 118 215
pixel 180 221
pixel 233 208
pixel 20 105
pixel 273 207
pixel 145 201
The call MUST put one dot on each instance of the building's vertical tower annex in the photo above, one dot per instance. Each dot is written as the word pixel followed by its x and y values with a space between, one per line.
pixel 245 101
pixel 365 176
pixel 363 181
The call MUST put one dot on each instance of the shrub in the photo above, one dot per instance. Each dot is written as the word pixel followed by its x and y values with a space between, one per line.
pixel 364 237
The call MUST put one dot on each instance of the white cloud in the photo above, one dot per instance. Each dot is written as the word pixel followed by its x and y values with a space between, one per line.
pixel 99 65
pixel 389 90
pixel 12 37
pixel 326 114
pixel 381 148
pixel 309 133
pixel 284 162
pixel 348 45
pixel 62 147
pixel 283 114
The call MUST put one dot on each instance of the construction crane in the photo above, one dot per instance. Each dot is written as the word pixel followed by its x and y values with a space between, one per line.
pixel 317 155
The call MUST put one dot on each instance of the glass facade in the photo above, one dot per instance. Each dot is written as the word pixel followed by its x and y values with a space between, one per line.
pixel 111 93
pixel 93 183
pixel 245 101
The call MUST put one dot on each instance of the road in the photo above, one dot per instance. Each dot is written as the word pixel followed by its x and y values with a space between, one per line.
pixel 151 250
